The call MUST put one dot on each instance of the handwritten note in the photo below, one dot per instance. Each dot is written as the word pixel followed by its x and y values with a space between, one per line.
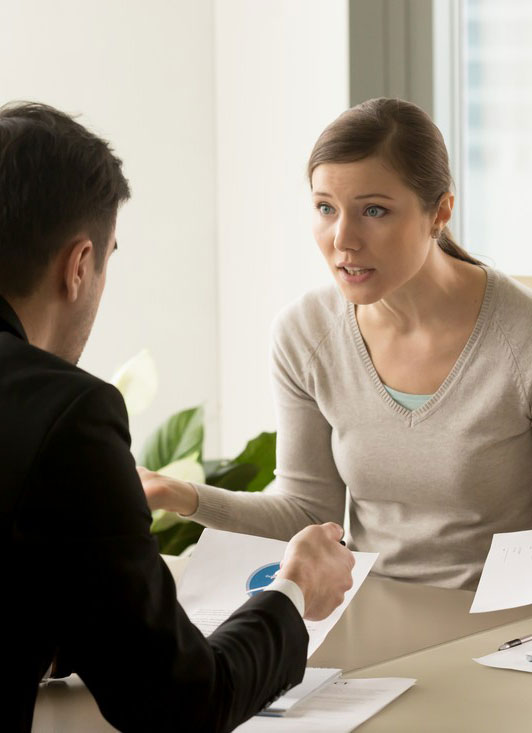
pixel 506 580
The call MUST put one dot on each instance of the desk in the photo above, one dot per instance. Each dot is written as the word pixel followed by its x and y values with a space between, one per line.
pixel 454 694
pixel 427 632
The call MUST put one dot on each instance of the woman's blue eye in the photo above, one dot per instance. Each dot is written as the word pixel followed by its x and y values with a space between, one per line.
pixel 325 209
pixel 375 212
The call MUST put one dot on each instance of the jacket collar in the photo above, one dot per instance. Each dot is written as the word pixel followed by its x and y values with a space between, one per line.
pixel 9 320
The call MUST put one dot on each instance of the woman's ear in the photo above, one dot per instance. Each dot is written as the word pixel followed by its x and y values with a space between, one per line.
pixel 76 267
pixel 445 209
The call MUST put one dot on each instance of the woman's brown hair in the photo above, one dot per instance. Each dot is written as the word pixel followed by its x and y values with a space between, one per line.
pixel 404 136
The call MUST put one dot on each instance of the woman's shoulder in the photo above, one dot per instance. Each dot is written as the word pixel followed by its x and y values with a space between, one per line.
pixel 513 301
pixel 311 316
pixel 512 316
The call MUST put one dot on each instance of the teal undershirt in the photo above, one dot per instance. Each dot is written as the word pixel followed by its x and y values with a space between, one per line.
pixel 410 401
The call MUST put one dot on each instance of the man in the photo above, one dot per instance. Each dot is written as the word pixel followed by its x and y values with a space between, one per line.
pixel 83 581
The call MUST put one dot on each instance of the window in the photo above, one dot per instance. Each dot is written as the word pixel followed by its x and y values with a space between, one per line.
pixel 496 144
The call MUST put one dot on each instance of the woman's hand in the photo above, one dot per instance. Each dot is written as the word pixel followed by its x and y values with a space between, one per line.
pixel 167 493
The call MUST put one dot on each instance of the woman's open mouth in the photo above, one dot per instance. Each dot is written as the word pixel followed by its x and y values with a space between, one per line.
pixel 355 274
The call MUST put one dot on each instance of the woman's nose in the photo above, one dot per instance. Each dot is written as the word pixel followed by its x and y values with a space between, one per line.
pixel 346 236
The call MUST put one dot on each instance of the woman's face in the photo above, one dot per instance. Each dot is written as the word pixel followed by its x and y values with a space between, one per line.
pixel 370 228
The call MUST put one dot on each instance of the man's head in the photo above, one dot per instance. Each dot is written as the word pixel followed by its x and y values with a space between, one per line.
pixel 60 189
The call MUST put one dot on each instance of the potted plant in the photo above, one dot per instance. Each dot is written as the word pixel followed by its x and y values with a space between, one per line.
pixel 175 449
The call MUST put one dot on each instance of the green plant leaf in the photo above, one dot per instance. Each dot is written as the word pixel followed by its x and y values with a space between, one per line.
pixel 260 453
pixel 175 539
pixel 211 467
pixel 178 437
pixel 232 476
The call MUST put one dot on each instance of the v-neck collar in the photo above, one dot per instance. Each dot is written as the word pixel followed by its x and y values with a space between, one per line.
pixel 415 416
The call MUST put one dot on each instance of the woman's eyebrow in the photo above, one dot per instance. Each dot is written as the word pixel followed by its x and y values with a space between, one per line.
pixel 362 196
pixel 372 195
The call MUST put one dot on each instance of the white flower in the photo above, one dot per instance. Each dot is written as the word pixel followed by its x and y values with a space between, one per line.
pixel 185 469
pixel 137 381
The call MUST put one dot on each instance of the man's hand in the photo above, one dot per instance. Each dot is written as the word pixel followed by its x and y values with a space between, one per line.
pixel 321 566
pixel 167 493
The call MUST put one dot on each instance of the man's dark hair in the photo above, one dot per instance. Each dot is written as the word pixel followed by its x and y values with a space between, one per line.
pixel 56 179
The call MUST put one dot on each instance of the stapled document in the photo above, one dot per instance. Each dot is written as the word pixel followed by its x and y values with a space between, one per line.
pixel 315 678
pixel 339 707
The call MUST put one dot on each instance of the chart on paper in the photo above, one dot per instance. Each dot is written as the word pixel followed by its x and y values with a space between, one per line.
pixel 261 577
pixel 227 567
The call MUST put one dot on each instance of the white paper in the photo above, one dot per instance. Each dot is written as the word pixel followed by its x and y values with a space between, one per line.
pixel 315 678
pixel 513 658
pixel 506 580
pixel 223 567
pixel 338 708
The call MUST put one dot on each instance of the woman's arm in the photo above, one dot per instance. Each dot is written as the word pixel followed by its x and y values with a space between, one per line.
pixel 263 514
pixel 308 489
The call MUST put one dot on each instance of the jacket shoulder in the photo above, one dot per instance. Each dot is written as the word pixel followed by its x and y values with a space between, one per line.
pixel 39 386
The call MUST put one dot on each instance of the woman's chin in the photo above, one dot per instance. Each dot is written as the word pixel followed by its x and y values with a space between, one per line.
pixel 359 295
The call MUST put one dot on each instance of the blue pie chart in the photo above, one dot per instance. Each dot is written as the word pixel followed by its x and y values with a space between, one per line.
pixel 261 577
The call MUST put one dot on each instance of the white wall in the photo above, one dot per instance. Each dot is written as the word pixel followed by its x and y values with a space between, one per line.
pixel 214 105
pixel 282 74
pixel 142 74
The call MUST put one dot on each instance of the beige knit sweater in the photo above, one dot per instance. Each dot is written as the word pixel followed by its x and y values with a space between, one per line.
pixel 426 489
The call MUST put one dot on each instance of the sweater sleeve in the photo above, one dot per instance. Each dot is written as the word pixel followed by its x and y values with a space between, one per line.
pixel 308 489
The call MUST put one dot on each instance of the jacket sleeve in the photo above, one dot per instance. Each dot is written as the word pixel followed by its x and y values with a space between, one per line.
pixel 114 610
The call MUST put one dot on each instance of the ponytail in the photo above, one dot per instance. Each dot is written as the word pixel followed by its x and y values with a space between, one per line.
pixel 447 243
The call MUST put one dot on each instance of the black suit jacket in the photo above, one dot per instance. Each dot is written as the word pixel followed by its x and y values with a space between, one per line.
pixel 82 577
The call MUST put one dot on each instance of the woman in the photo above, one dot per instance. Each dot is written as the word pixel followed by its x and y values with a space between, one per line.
pixel 409 380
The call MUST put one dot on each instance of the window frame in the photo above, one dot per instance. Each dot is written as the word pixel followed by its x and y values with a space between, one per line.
pixel 448 91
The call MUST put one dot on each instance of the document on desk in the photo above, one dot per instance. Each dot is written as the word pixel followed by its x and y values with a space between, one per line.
pixel 513 658
pixel 315 678
pixel 506 580
pixel 226 568
pixel 339 708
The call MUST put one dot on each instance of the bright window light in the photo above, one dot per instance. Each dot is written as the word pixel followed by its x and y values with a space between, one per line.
pixel 497 132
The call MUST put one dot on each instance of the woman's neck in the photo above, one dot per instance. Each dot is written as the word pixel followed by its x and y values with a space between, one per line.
pixel 438 294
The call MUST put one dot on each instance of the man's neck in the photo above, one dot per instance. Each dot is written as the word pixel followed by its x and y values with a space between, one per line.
pixel 36 315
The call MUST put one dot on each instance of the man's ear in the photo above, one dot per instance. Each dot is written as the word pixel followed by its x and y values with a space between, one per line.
pixel 76 267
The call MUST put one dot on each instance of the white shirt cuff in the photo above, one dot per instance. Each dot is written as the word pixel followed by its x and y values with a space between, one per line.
pixel 291 590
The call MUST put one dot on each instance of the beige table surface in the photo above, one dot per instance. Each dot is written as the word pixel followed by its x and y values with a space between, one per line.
pixel 453 694
pixel 388 619
pixel 429 634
